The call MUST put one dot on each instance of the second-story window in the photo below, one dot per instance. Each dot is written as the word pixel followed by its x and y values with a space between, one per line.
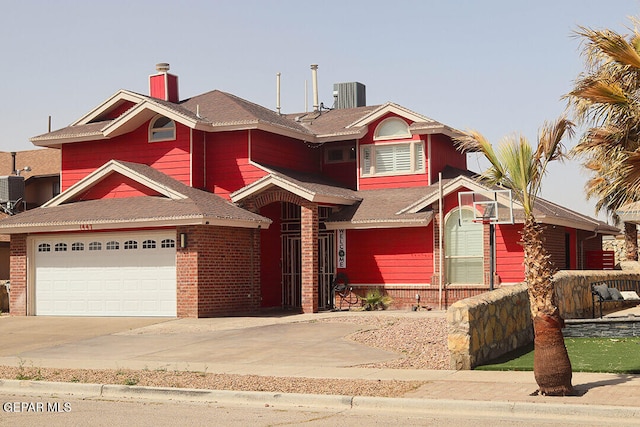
pixel 392 158
pixel 162 129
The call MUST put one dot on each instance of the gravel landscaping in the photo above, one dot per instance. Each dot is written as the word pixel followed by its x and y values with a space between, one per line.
pixel 421 343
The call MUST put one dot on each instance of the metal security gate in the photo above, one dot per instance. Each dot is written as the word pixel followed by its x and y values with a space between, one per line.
pixel 326 269
pixel 291 271
pixel 292 259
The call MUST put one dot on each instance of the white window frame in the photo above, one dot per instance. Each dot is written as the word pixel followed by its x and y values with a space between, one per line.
pixel 153 130
pixel 416 148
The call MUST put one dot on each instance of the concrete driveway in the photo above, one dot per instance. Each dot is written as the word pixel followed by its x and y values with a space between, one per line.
pixel 271 345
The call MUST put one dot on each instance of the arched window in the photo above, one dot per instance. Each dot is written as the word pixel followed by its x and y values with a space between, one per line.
pixel 60 247
pixel 464 252
pixel 44 247
pixel 162 129
pixel 392 128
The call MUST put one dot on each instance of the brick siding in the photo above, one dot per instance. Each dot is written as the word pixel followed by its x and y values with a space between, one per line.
pixel 18 275
pixel 218 271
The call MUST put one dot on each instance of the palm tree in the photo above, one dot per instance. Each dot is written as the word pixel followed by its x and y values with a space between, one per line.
pixel 517 166
pixel 606 98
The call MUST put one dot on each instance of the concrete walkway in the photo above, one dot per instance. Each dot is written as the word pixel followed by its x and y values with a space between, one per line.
pixel 288 345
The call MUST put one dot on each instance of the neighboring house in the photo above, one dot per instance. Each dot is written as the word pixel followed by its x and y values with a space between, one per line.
pixel 38 176
pixel 214 205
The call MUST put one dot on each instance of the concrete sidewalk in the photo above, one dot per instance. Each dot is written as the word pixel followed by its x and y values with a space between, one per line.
pixel 292 345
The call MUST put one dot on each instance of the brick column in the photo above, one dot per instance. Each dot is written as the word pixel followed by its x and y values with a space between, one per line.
pixel 18 275
pixel 309 238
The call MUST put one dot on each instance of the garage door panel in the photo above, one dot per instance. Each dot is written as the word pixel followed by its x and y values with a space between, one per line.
pixel 118 282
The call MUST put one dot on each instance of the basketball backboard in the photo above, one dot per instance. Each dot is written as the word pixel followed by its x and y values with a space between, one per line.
pixel 489 207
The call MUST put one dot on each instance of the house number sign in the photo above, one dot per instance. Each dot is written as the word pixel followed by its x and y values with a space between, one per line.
pixel 342 249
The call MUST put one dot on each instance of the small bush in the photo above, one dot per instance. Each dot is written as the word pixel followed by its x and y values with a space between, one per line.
pixel 376 300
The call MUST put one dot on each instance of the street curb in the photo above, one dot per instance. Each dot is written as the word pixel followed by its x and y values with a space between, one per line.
pixel 338 402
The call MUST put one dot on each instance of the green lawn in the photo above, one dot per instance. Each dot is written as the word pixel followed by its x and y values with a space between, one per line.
pixel 614 355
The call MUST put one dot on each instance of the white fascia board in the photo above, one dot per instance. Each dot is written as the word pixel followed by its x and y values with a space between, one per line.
pixel 578 225
pixel 140 114
pixel 56 142
pixel 275 181
pixel 268 182
pixel 437 129
pixel 102 172
pixel 121 95
pixel 89 226
pixel 338 137
pixel 387 108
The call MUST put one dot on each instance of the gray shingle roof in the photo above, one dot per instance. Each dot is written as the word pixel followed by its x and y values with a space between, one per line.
pixel 197 207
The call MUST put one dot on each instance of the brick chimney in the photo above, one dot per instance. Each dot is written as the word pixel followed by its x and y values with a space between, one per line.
pixel 164 85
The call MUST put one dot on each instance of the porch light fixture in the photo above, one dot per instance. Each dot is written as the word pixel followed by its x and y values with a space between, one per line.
pixel 183 240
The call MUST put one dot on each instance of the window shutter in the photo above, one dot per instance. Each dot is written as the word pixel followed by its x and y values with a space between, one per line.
pixel 419 157
pixel 384 159
pixel 402 157
pixel 366 161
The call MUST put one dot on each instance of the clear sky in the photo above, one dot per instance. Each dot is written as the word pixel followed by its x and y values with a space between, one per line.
pixel 497 66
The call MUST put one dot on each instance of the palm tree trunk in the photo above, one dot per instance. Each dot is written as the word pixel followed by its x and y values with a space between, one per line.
pixel 551 365
pixel 631 241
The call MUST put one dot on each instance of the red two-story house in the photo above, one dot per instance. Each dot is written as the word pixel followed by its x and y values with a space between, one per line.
pixel 214 205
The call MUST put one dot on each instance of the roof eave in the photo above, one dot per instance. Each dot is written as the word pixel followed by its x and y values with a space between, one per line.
pixel 74 226
pixel 362 225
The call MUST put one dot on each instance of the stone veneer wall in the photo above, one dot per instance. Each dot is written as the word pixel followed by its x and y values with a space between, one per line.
pixel 573 290
pixel 487 326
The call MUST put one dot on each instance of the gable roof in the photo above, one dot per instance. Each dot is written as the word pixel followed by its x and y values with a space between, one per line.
pixel 545 212
pixel 309 186
pixel 381 209
pixel 178 205
pixel 217 111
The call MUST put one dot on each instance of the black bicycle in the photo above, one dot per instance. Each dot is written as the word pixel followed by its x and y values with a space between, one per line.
pixel 343 291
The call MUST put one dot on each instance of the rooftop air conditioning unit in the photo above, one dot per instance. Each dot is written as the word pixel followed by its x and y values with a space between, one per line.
pixel 11 188
pixel 349 95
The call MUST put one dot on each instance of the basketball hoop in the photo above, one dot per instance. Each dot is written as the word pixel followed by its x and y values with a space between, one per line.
pixel 489 207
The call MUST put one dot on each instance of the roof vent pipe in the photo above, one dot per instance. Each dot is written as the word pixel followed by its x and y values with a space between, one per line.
pixel 278 93
pixel 314 79
pixel 162 67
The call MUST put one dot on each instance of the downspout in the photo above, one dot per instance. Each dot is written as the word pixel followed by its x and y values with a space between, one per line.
pixel 429 159
pixel 440 244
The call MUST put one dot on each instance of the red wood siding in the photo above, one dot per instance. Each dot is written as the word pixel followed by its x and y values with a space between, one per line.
pixel 509 253
pixel 573 251
pixel 443 153
pixel 275 150
pixel 555 245
pixel 393 256
pixel 345 173
pixel 270 258
pixel 227 162
pixel 116 186
pixel 169 157
pixel 198 169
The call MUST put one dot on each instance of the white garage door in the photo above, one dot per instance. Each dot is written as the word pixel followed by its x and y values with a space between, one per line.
pixel 106 274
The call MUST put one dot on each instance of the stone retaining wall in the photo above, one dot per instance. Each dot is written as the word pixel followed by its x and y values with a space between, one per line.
pixel 486 326
pixel 573 290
